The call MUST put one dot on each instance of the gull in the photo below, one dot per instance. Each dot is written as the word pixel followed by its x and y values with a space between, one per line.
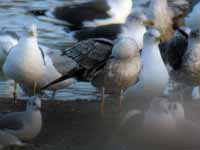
pixel 161 14
pixel 30 65
pixel 153 77
pixel 134 25
pixel 174 50
pixel 192 20
pixel 8 40
pixel 179 9
pixel 7 139
pixel 158 119
pixel 182 55
pixel 104 65
pixel 166 121
pixel 176 47
pixel 93 13
pixel 165 13
pixel 25 125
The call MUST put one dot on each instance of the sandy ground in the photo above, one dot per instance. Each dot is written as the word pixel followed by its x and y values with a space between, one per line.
pixel 70 125
pixel 80 126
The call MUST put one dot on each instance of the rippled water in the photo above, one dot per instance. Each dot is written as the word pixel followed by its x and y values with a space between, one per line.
pixel 13 13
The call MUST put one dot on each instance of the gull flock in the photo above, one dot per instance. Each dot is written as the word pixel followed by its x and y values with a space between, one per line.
pixel 124 48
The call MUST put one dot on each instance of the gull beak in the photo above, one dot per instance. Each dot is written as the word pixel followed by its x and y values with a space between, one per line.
pixel 148 22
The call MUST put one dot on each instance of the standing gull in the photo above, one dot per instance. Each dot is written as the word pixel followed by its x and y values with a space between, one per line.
pixel 8 40
pixel 153 77
pixel 32 68
pixel 25 124
pixel 161 14
pixel 174 50
pixel 105 66
pixel 185 50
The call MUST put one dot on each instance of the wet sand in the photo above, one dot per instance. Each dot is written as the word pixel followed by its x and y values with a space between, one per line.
pixel 78 125
pixel 70 125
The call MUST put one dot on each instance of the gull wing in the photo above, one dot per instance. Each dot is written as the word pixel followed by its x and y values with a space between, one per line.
pixel 90 55
pixel 96 9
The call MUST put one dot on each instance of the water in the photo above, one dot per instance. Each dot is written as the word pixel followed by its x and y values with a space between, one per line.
pixel 13 13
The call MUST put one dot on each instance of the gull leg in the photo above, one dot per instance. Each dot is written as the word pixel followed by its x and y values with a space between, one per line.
pixel 121 98
pixel 173 90
pixel 34 88
pixel 169 88
pixel 181 96
pixel 53 95
pixel 181 93
pixel 15 92
pixel 102 100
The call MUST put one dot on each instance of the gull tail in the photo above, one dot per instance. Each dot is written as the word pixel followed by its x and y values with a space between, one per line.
pixel 75 73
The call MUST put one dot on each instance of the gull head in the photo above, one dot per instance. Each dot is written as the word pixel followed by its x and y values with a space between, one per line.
pixel 138 17
pixel 152 36
pixel 159 105
pixel 30 30
pixel 125 48
pixel 34 103
pixel 161 14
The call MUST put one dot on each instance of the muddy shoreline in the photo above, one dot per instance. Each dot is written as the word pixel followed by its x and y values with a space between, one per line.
pixel 79 125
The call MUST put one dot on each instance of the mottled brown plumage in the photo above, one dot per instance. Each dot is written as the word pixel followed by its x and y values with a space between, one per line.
pixel 97 64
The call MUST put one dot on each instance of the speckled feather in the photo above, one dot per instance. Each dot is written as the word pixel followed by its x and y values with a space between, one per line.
pixel 176 48
pixel 100 65
pixel 112 75
pixel 90 54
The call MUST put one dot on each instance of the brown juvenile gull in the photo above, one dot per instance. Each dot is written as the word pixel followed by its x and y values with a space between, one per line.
pixel 161 14
pixel 165 13
pixel 108 67
pixel 173 52
pixel 183 57
pixel 25 124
